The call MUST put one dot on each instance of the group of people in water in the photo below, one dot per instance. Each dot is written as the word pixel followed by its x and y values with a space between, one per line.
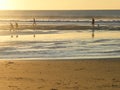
pixel 13 29
pixel 16 27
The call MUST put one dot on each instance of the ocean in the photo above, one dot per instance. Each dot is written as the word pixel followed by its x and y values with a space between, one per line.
pixel 60 34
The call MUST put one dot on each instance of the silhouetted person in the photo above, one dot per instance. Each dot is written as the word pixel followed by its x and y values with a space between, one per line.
pixel 34 25
pixel 16 27
pixel 11 28
pixel 93 27
pixel 34 21
pixel 93 21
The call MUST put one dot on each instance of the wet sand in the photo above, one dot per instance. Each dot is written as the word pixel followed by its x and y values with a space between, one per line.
pixel 101 74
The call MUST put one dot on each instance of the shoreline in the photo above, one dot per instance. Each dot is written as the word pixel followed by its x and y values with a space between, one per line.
pixel 60 59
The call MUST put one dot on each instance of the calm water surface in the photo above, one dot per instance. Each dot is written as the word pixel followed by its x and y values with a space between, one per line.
pixel 62 44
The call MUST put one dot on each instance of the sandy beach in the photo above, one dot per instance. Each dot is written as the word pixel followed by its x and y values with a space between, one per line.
pixel 59 45
pixel 101 74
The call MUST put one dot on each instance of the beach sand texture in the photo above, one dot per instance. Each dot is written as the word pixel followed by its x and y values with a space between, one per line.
pixel 60 75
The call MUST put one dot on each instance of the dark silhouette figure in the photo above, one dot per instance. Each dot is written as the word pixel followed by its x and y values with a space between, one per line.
pixel 34 25
pixel 16 24
pixel 16 28
pixel 93 21
pixel 11 29
pixel 93 27
pixel 34 21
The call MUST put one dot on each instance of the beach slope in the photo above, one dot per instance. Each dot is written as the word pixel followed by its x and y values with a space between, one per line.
pixel 60 75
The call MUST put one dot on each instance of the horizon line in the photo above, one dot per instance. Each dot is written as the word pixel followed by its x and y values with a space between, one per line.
pixel 55 9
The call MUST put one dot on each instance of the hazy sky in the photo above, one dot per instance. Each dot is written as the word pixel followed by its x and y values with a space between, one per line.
pixel 58 4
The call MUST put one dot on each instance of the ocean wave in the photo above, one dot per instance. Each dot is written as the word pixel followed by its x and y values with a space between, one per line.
pixel 61 20
pixel 61 27
pixel 112 52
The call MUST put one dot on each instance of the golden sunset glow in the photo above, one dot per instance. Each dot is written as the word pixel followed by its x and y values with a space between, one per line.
pixel 4 4
pixel 58 4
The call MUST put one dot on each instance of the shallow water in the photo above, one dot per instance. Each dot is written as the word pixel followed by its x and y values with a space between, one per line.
pixel 109 18
pixel 67 34
pixel 60 44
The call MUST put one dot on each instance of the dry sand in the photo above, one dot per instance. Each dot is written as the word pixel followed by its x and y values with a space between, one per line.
pixel 60 75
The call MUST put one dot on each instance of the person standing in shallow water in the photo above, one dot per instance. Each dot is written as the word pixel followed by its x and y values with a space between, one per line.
pixel 93 27
pixel 34 25
pixel 11 28
pixel 16 27
pixel 93 21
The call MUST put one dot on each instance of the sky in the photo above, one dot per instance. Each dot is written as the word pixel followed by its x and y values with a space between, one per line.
pixel 59 4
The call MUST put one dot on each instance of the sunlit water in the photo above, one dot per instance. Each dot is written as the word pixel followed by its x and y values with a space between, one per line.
pixel 60 44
